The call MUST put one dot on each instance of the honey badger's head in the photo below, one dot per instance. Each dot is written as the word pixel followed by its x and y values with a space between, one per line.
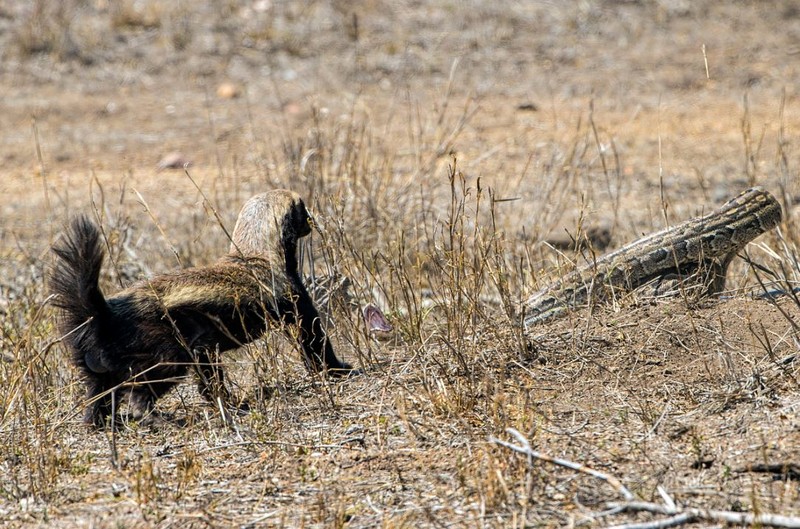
pixel 269 224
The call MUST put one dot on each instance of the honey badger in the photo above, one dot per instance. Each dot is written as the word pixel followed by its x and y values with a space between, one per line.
pixel 147 336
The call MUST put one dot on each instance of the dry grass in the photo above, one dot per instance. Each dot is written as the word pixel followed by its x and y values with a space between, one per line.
pixel 435 204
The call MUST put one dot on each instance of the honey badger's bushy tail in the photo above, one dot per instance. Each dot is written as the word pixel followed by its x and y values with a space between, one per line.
pixel 74 281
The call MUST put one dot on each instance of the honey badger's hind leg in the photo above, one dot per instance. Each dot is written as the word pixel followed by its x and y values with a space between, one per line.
pixel 142 397
pixel 211 381
pixel 100 397
pixel 203 339
pixel 210 375
pixel 144 390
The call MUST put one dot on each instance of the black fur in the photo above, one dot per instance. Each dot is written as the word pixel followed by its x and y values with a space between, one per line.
pixel 145 338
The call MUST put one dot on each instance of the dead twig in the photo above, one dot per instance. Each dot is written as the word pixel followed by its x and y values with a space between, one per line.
pixel 678 519
pixel 525 448
pixel 785 470
pixel 677 515
pixel 680 516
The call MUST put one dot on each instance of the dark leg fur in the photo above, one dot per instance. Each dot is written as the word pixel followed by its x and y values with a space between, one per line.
pixel 152 383
pixel 143 396
pixel 99 397
pixel 317 349
pixel 210 376
pixel 105 393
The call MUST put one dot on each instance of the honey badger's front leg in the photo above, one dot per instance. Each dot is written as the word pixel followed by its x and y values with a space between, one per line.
pixel 318 353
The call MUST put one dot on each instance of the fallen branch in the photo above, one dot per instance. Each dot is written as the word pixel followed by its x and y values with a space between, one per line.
pixel 779 470
pixel 689 515
pixel 678 519
pixel 525 448
pixel 677 515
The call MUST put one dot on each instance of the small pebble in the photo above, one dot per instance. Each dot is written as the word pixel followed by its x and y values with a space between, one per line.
pixel 228 90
